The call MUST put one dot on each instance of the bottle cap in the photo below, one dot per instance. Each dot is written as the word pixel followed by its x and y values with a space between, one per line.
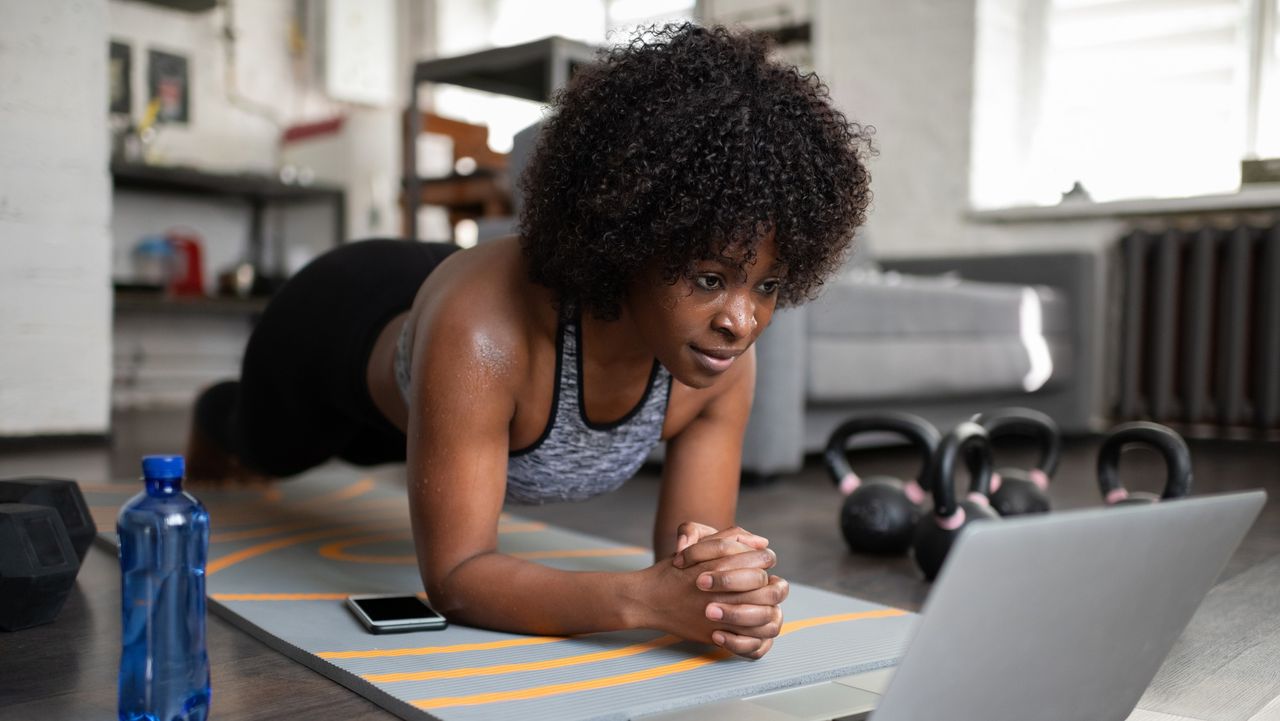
pixel 163 467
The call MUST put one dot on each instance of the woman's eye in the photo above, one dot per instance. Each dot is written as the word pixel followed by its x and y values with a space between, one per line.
pixel 769 287
pixel 709 282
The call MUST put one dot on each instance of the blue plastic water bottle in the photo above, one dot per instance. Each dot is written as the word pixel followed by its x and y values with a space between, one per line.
pixel 164 539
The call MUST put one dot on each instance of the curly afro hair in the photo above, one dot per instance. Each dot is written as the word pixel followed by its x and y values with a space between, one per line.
pixel 682 145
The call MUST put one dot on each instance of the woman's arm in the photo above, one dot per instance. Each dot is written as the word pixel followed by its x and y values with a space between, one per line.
pixel 462 406
pixel 695 519
pixel 703 463
pixel 461 409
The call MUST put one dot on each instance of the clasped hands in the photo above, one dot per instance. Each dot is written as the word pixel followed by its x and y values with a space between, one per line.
pixel 716 587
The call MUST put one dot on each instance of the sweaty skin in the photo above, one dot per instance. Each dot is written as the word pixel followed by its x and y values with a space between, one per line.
pixel 484 359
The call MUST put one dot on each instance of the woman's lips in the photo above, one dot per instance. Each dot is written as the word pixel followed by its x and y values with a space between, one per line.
pixel 715 361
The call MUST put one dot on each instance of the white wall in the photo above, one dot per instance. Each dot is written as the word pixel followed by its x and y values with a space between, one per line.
pixel 60 241
pixel 222 135
pixel 55 293
pixel 907 68
pixel 237 120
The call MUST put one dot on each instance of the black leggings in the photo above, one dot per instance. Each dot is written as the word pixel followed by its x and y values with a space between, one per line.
pixel 303 396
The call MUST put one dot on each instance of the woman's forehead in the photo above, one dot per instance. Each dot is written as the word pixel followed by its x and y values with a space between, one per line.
pixel 761 251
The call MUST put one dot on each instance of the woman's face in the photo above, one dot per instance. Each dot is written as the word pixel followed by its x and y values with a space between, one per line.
pixel 698 326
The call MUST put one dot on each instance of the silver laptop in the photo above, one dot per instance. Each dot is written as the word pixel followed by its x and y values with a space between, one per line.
pixel 1066 616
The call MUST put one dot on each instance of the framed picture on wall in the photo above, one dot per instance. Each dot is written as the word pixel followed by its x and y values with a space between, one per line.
pixel 119 78
pixel 167 80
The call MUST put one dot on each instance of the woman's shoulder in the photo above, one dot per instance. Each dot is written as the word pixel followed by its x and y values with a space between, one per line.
pixel 481 299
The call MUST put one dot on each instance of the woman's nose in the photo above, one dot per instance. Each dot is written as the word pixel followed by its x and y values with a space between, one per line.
pixel 737 318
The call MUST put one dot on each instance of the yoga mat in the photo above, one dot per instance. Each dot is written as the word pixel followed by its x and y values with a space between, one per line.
pixel 283 558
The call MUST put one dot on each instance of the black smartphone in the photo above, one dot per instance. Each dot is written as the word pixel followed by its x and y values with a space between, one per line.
pixel 395 614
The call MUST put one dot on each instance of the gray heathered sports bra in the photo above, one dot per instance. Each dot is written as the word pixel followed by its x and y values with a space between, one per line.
pixel 574 459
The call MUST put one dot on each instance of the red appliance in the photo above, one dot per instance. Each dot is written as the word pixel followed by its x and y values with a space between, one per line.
pixel 188 267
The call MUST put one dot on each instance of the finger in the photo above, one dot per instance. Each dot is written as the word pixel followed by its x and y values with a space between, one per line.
pixel 743 536
pixel 711 548
pixel 772 594
pixel 733 581
pixel 690 532
pixel 767 619
pixel 760 652
pixel 762 559
pixel 746 646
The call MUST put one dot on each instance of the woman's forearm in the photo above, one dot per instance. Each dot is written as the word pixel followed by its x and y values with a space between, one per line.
pixel 500 592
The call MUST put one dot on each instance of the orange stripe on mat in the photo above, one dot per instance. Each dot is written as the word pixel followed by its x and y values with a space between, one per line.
pixel 337 552
pixel 432 650
pixel 633 650
pixel 265 531
pixel 238 513
pixel 793 626
pixel 638 676
pixel 246 553
pixel 369 514
pixel 575 686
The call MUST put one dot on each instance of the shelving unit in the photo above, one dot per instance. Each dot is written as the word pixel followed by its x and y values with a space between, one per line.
pixel 533 71
pixel 165 348
pixel 258 191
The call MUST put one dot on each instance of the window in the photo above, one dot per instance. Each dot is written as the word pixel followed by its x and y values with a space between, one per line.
pixel 1128 98
pixel 1268 125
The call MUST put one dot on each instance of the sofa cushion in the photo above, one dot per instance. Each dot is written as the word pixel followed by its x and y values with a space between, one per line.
pixel 876 368
pixel 881 338
pixel 861 303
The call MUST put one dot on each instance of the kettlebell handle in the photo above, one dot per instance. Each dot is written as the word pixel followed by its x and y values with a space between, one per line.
pixel 917 431
pixel 1177 458
pixel 968 439
pixel 1030 423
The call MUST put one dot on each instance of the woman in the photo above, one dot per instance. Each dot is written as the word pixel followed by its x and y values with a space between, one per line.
pixel 682 188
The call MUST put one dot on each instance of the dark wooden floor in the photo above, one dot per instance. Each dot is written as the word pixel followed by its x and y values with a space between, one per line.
pixel 68 669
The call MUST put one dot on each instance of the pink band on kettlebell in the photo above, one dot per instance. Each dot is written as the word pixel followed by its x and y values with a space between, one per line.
pixel 952 522
pixel 1040 478
pixel 979 499
pixel 996 480
pixel 1116 495
pixel 913 491
pixel 850 483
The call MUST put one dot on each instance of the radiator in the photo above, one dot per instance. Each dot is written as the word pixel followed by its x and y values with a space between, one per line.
pixel 1199 341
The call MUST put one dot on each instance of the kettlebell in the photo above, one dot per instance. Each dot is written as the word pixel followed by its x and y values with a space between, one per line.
pixel 1177 460
pixel 879 513
pixel 936 532
pixel 1017 491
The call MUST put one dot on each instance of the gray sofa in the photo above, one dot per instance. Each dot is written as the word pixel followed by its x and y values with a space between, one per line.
pixel 940 337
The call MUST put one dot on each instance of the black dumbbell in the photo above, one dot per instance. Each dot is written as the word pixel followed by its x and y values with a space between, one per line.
pixel 60 494
pixel 1017 491
pixel 38 565
pixel 879 513
pixel 1177 459
pixel 936 532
